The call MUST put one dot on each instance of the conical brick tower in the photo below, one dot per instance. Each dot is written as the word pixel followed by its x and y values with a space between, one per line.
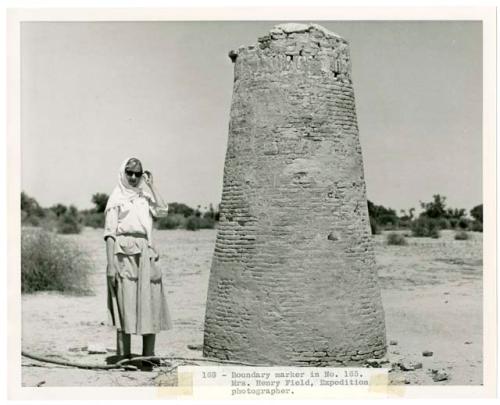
pixel 293 278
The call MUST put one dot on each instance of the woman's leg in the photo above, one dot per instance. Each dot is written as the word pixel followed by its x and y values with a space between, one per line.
pixel 148 344
pixel 122 343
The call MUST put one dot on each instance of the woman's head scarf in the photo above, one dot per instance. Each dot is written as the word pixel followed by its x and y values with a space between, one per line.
pixel 124 192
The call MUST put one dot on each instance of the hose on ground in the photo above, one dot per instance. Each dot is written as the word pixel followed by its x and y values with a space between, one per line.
pixel 124 363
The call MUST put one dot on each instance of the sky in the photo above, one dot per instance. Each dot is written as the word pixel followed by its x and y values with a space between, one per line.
pixel 93 94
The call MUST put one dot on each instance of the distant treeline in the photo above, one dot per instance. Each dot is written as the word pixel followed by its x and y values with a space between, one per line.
pixel 68 219
pixel 435 215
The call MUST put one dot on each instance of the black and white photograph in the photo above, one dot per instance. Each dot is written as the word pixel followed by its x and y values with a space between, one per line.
pixel 302 193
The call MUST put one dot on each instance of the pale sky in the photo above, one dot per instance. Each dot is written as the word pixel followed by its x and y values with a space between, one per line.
pixel 96 93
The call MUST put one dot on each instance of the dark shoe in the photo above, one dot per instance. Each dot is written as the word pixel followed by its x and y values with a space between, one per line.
pixel 146 365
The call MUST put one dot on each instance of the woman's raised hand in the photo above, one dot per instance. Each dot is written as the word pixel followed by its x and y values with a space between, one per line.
pixel 148 177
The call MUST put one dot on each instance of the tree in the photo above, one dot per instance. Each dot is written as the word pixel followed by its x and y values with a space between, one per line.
pixel 210 213
pixel 436 208
pixel 30 206
pixel 180 208
pixel 455 213
pixel 477 213
pixel 100 200
pixel 59 209
pixel 382 215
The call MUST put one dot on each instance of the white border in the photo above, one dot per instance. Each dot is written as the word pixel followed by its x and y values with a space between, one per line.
pixel 16 16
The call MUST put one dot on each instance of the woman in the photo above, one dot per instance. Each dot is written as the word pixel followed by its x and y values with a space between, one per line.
pixel 136 290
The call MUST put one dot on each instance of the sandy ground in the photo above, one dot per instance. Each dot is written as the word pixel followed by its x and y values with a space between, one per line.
pixel 431 291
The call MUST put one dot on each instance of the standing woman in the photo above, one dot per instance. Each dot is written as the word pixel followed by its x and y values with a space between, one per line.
pixel 136 290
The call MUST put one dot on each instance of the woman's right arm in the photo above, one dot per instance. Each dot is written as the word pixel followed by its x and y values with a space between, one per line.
pixel 110 226
pixel 110 256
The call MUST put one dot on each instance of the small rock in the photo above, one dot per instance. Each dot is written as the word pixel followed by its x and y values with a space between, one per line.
pixel 417 366
pixel 376 363
pixel 406 367
pixel 195 347
pixel 393 342
pixel 40 383
pixel 96 348
pixel 439 375
pixel 396 352
pixel 446 293
pixel 102 324
pixel 427 353
pixel 467 342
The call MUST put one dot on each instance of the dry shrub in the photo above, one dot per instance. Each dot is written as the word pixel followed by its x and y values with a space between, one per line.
pixel 425 227
pixel 52 263
pixel 171 221
pixel 462 235
pixel 394 238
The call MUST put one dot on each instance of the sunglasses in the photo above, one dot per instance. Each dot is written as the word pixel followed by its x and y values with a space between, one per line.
pixel 131 173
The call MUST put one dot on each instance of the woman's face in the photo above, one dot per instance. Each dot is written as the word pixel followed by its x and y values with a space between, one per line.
pixel 133 172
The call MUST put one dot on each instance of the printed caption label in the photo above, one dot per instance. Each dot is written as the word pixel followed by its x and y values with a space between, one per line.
pixel 284 382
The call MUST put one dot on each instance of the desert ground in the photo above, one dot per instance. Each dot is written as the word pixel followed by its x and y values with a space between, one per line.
pixel 431 291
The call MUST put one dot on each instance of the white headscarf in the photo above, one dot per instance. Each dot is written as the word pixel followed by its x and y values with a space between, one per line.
pixel 124 192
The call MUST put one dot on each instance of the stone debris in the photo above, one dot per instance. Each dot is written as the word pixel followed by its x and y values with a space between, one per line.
pixel 439 375
pixel 404 366
pixel 376 363
pixel 467 342
pixel 393 342
pixel 195 347
pixel 427 353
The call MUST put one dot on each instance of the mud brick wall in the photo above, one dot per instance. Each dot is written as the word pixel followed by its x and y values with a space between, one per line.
pixel 293 278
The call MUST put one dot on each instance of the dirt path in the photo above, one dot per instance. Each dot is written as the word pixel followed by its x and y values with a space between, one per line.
pixel 431 290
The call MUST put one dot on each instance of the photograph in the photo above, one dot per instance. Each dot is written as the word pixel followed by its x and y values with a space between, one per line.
pixel 302 193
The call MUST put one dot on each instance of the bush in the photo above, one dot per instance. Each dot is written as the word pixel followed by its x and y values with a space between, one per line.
pixel 68 224
pixel 29 220
pixel 477 226
pixel 462 235
pixel 477 213
pixel 52 263
pixel 463 223
pixel 193 223
pixel 394 238
pixel 425 227
pixel 443 223
pixel 171 221
pixel 94 219
pixel 207 223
